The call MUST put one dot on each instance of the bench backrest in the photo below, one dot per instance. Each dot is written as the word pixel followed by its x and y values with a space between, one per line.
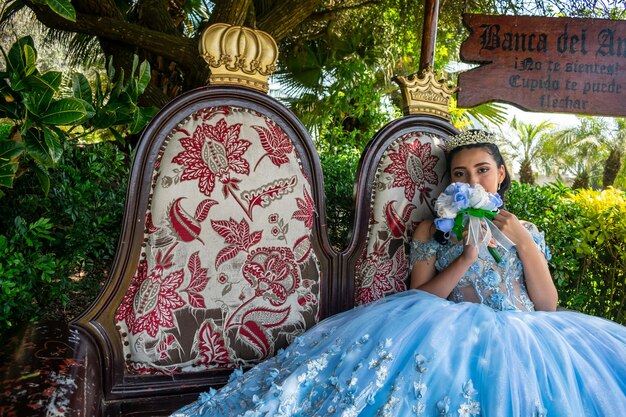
pixel 224 255
pixel 402 172
pixel 222 259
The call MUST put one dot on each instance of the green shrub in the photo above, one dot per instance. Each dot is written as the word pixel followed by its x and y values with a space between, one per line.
pixel 84 207
pixel 586 233
pixel 339 171
pixel 29 272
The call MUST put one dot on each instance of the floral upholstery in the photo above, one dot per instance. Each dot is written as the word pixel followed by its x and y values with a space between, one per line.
pixel 409 177
pixel 226 274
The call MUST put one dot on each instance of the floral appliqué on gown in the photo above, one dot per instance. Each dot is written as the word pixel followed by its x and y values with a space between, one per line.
pixel 483 352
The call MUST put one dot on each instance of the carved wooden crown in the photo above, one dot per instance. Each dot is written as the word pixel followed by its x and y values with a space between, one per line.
pixel 424 94
pixel 239 55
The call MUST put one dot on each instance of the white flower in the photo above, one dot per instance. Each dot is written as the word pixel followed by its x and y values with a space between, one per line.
pixel 445 206
pixel 479 198
pixel 469 409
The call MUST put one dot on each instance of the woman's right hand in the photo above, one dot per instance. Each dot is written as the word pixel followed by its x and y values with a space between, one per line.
pixel 470 251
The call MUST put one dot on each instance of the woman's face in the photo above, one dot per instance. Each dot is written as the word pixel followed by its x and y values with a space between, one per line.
pixel 477 166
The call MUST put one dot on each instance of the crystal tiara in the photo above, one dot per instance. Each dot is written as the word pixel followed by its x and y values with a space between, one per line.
pixel 470 137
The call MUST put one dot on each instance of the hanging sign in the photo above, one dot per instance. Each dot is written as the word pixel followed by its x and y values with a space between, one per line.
pixel 545 64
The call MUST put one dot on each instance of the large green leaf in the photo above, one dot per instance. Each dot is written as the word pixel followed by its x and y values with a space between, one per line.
pixel 143 78
pixel 81 87
pixel 118 137
pixel 10 149
pixel 22 57
pixel 35 144
pixel 63 8
pixel 141 117
pixel 44 178
pixel 7 173
pixel 66 111
pixel 118 86
pixel 53 142
pixel 38 98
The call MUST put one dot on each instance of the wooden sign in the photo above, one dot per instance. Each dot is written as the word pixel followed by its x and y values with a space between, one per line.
pixel 546 64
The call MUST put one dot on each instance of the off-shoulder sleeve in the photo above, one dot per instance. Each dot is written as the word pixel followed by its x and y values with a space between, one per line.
pixel 421 251
pixel 539 238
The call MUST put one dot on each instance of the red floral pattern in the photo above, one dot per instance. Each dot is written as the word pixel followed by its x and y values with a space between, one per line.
pixel 413 167
pixel 275 142
pixel 213 152
pixel 235 284
pixel 272 273
pixel 306 210
pixel 211 345
pixel 151 298
pixel 413 161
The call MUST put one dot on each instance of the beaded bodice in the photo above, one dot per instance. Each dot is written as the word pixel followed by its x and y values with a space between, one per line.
pixel 500 286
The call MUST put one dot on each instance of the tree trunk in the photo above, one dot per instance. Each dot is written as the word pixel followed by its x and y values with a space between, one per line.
pixel 581 181
pixel 611 168
pixel 233 12
pixel 526 175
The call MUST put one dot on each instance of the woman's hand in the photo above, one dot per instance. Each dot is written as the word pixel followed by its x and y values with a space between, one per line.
pixel 470 251
pixel 539 282
pixel 512 227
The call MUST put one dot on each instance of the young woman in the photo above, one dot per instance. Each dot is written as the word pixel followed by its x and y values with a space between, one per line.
pixel 468 339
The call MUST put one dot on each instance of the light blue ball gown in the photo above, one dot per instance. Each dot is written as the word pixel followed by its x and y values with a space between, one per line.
pixel 415 354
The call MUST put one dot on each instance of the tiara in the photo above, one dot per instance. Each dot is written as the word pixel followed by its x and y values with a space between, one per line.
pixel 470 137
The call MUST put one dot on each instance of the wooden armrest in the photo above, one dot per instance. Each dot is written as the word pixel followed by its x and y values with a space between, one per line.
pixel 50 369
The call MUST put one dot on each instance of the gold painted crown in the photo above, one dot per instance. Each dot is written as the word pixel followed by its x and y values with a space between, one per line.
pixel 239 55
pixel 424 94
pixel 470 137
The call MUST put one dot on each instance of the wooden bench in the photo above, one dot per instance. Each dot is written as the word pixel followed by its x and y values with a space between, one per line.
pixel 224 255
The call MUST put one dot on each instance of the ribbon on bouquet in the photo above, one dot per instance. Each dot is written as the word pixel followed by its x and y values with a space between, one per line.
pixel 481 230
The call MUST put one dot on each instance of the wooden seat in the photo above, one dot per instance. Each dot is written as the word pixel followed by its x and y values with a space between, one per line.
pixel 224 256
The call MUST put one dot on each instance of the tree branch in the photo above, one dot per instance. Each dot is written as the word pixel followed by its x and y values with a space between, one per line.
pixel 176 48
pixel 285 17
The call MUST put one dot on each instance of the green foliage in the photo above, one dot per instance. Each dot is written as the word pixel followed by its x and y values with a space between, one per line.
pixel 30 99
pixel 339 171
pixel 603 245
pixel 586 234
pixel 29 278
pixel 84 208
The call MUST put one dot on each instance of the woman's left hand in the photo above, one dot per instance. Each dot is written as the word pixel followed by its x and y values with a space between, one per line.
pixel 512 227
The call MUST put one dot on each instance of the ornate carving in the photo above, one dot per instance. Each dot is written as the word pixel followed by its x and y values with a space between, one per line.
pixel 424 94
pixel 239 55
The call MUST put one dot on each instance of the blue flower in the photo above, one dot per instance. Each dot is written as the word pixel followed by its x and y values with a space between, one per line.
pixel 495 199
pixel 497 299
pixel 461 200
pixel 491 279
pixel 445 225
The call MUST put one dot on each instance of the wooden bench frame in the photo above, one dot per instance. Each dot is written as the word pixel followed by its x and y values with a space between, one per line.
pixel 79 369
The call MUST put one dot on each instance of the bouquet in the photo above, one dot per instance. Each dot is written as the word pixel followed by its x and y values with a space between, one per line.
pixel 461 205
